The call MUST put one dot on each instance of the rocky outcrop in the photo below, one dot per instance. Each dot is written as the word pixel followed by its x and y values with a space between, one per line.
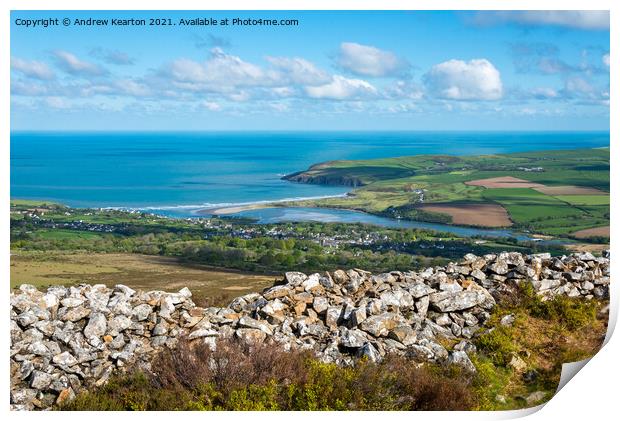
pixel 324 179
pixel 66 339
pixel 325 174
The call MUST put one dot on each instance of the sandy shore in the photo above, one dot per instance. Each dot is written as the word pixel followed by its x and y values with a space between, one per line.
pixel 234 209
pixel 229 210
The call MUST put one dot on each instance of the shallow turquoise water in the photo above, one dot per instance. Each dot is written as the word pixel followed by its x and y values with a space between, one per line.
pixel 178 173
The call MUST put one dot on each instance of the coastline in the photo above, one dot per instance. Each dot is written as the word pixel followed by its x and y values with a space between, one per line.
pixel 240 207
pixel 233 209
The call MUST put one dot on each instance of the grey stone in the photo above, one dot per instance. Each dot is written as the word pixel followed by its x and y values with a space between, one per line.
pixel 40 380
pixel 75 314
pixel 278 291
pixel 357 316
pixel 255 324
pixel 517 364
pixel 320 304
pixel 251 335
pixel 380 325
pixel 141 312
pixel 96 326
pixel 450 285
pixel 27 318
pixel 369 351
pixel 448 301
pixel 403 334
pixel 419 290
pixel 65 359
pixel 500 267
pixel 295 278
pixel 201 333
pixel 353 338
pixel 461 358
pixel 25 369
pixel 118 324
pixel 332 316
pixel 535 397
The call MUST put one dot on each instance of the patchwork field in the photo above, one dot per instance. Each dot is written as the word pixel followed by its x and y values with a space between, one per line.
pixel 592 232
pixel 569 190
pixel 503 183
pixel 544 192
pixel 134 270
pixel 483 215
pixel 595 200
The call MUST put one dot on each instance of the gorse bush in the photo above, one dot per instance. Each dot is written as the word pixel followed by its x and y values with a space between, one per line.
pixel 498 344
pixel 569 313
pixel 237 376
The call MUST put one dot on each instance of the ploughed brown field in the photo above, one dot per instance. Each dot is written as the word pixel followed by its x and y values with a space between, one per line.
pixel 569 190
pixel 593 232
pixel 503 183
pixel 483 214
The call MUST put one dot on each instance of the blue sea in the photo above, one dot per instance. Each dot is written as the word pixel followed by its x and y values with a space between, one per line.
pixel 178 173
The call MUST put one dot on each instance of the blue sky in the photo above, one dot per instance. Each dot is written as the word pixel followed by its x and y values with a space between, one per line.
pixel 333 71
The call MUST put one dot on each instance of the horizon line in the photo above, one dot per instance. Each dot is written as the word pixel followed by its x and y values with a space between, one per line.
pixel 608 131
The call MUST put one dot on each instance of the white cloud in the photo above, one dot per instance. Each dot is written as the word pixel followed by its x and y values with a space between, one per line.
pixel 544 93
pixel 283 92
pixel 241 96
pixel 220 72
pixel 579 19
pixel 73 65
pixel 22 88
pixel 606 60
pixel 299 71
pixel 342 88
pixel 211 106
pixel 279 107
pixel 582 91
pixel 112 56
pixel 366 60
pixel 132 88
pixel 404 89
pixel 32 68
pixel 57 103
pixel 579 87
pixel 476 79
pixel 552 65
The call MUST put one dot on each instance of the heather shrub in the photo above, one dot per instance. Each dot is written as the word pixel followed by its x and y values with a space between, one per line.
pixel 237 376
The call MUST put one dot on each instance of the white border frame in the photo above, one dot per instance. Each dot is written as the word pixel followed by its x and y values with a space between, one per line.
pixel 592 394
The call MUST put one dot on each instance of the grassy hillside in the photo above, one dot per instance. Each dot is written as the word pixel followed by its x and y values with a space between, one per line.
pixel 563 190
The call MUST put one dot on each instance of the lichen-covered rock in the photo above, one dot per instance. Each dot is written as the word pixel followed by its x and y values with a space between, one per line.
pixel 381 324
pixel 446 301
pixel 70 338
pixel 96 326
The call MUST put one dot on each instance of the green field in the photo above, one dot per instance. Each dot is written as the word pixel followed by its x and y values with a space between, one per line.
pixel 526 205
pixel 45 268
pixel 61 234
pixel 594 200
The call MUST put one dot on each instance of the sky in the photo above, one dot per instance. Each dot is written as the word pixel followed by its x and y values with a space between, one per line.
pixel 333 70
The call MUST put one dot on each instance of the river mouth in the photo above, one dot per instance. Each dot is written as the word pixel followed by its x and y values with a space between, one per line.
pixel 274 215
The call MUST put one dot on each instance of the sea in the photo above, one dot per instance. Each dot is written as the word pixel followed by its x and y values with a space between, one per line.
pixel 179 173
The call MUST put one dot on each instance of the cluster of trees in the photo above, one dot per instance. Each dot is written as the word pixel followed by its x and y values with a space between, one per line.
pixel 262 252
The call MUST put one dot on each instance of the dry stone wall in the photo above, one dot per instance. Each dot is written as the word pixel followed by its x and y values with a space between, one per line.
pixel 67 339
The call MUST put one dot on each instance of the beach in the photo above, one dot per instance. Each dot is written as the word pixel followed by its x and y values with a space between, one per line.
pixel 234 209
